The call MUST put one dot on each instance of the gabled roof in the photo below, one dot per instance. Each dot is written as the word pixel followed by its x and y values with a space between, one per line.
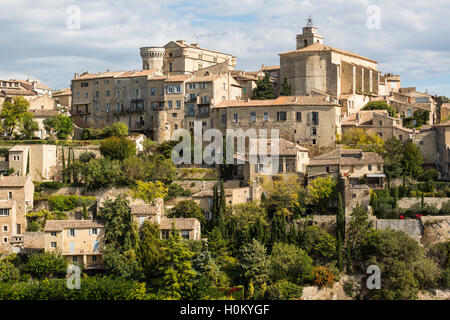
pixel 180 223
pixel 59 225
pixel 319 47
pixel 14 181
pixel 285 148
pixel 346 157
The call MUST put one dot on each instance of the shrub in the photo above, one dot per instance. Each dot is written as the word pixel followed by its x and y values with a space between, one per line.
pixel 323 277
pixel 85 157
pixel 283 290
pixel 429 175
pixel 45 264
pixel 116 148
pixel 63 202
pixel 33 226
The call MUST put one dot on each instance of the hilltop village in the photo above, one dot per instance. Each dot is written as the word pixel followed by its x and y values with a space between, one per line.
pixel 363 178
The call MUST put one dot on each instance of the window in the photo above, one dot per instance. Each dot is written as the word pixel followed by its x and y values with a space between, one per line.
pixel 4 212
pixel 185 234
pixel 174 115
pixel 281 116
pixel 94 258
pixel 95 245
pixel 176 127
pixel 224 118
pixel 170 67
pixel 266 116
pixel 381 123
pixel 10 195
pixel 191 110
pixel 53 244
pixel 169 89
pixel 313 131
pixel 96 83
pixel 137 93
pixel 253 117
pixel 153 91
pixel 84 84
pixel 94 231
pixel 118 94
pixel 328 169
pixel 400 137
pixel 235 117
pixel 72 233
pixel 5 228
pixel 178 104
pixel 379 167
pixel 96 94
pixel 78 95
pixel 204 85
pixel 53 233
pixel 315 118
pixel 298 116
pixel 106 81
pixel 108 93
pixel 5 239
pixel 86 95
pixel 369 167
pixel 169 104
pixel 74 259
pixel 314 141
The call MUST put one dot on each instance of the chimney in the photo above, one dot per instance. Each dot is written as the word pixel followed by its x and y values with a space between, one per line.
pixel 195 45
pixel 75 76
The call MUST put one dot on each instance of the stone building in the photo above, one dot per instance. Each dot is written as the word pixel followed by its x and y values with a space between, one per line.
pixel 30 89
pixel 179 57
pixel 79 241
pixel 21 191
pixel 39 161
pixel 304 120
pixel 357 166
pixel 379 122
pixel 8 225
pixel 316 66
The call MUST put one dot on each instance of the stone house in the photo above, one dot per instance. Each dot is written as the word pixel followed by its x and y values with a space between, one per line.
pixel 233 196
pixel 8 225
pixel 357 166
pixel 379 122
pixel 188 227
pixel 304 120
pixel 42 159
pixel 79 241
pixel 21 191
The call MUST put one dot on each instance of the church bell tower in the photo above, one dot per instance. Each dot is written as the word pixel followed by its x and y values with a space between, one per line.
pixel 309 35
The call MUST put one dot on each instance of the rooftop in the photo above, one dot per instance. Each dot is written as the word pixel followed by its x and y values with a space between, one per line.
pixel 281 101
pixel 59 225
pixel 180 223
pixel 13 181
pixel 319 47
pixel 346 157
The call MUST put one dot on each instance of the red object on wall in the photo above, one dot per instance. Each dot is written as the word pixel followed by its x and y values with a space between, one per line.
pixel 402 217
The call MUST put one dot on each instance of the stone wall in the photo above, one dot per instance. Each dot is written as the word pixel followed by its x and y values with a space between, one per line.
pixel 412 228
pixel 435 229
pixel 406 203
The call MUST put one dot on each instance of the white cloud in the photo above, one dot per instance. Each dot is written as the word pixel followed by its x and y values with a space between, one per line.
pixel 36 40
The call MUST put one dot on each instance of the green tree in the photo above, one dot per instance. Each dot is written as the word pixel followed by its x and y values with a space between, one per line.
pixel 358 226
pixel 28 126
pixel 289 262
pixel 264 89
pixel 44 265
pixel 59 125
pixel 412 160
pixel 117 129
pixel 340 232
pixel 187 209
pixel 321 190
pixel 254 263
pixel 160 168
pixel 149 251
pixel 102 173
pixel 8 270
pixel 286 88
pixel 13 113
pixel 358 139
pixel 176 268
pixel 85 212
pixel 134 169
pixel 393 157
pixel 381 105
pixel 116 148
pixel 149 191
pixel 319 244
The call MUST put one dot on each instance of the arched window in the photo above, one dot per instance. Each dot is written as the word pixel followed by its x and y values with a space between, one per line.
pixel 305 43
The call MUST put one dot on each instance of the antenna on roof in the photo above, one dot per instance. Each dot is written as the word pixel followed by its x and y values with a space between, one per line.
pixel 309 22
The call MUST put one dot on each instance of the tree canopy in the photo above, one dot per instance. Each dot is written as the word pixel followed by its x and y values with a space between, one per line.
pixel 381 105
pixel 264 89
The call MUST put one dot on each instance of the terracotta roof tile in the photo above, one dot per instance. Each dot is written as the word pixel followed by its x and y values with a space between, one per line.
pixel 59 225
pixel 13 181
pixel 180 223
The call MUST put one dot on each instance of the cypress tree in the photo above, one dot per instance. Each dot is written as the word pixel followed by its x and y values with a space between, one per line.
pixel 214 210
pixel 286 88
pixel 28 164
pixel 264 89
pixel 74 174
pixel 69 174
pixel 85 212
pixel 422 200
pixel 340 232
pixel 63 167
pixel 221 209
pixel 395 206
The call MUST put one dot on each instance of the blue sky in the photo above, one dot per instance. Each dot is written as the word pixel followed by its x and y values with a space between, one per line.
pixel 412 39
